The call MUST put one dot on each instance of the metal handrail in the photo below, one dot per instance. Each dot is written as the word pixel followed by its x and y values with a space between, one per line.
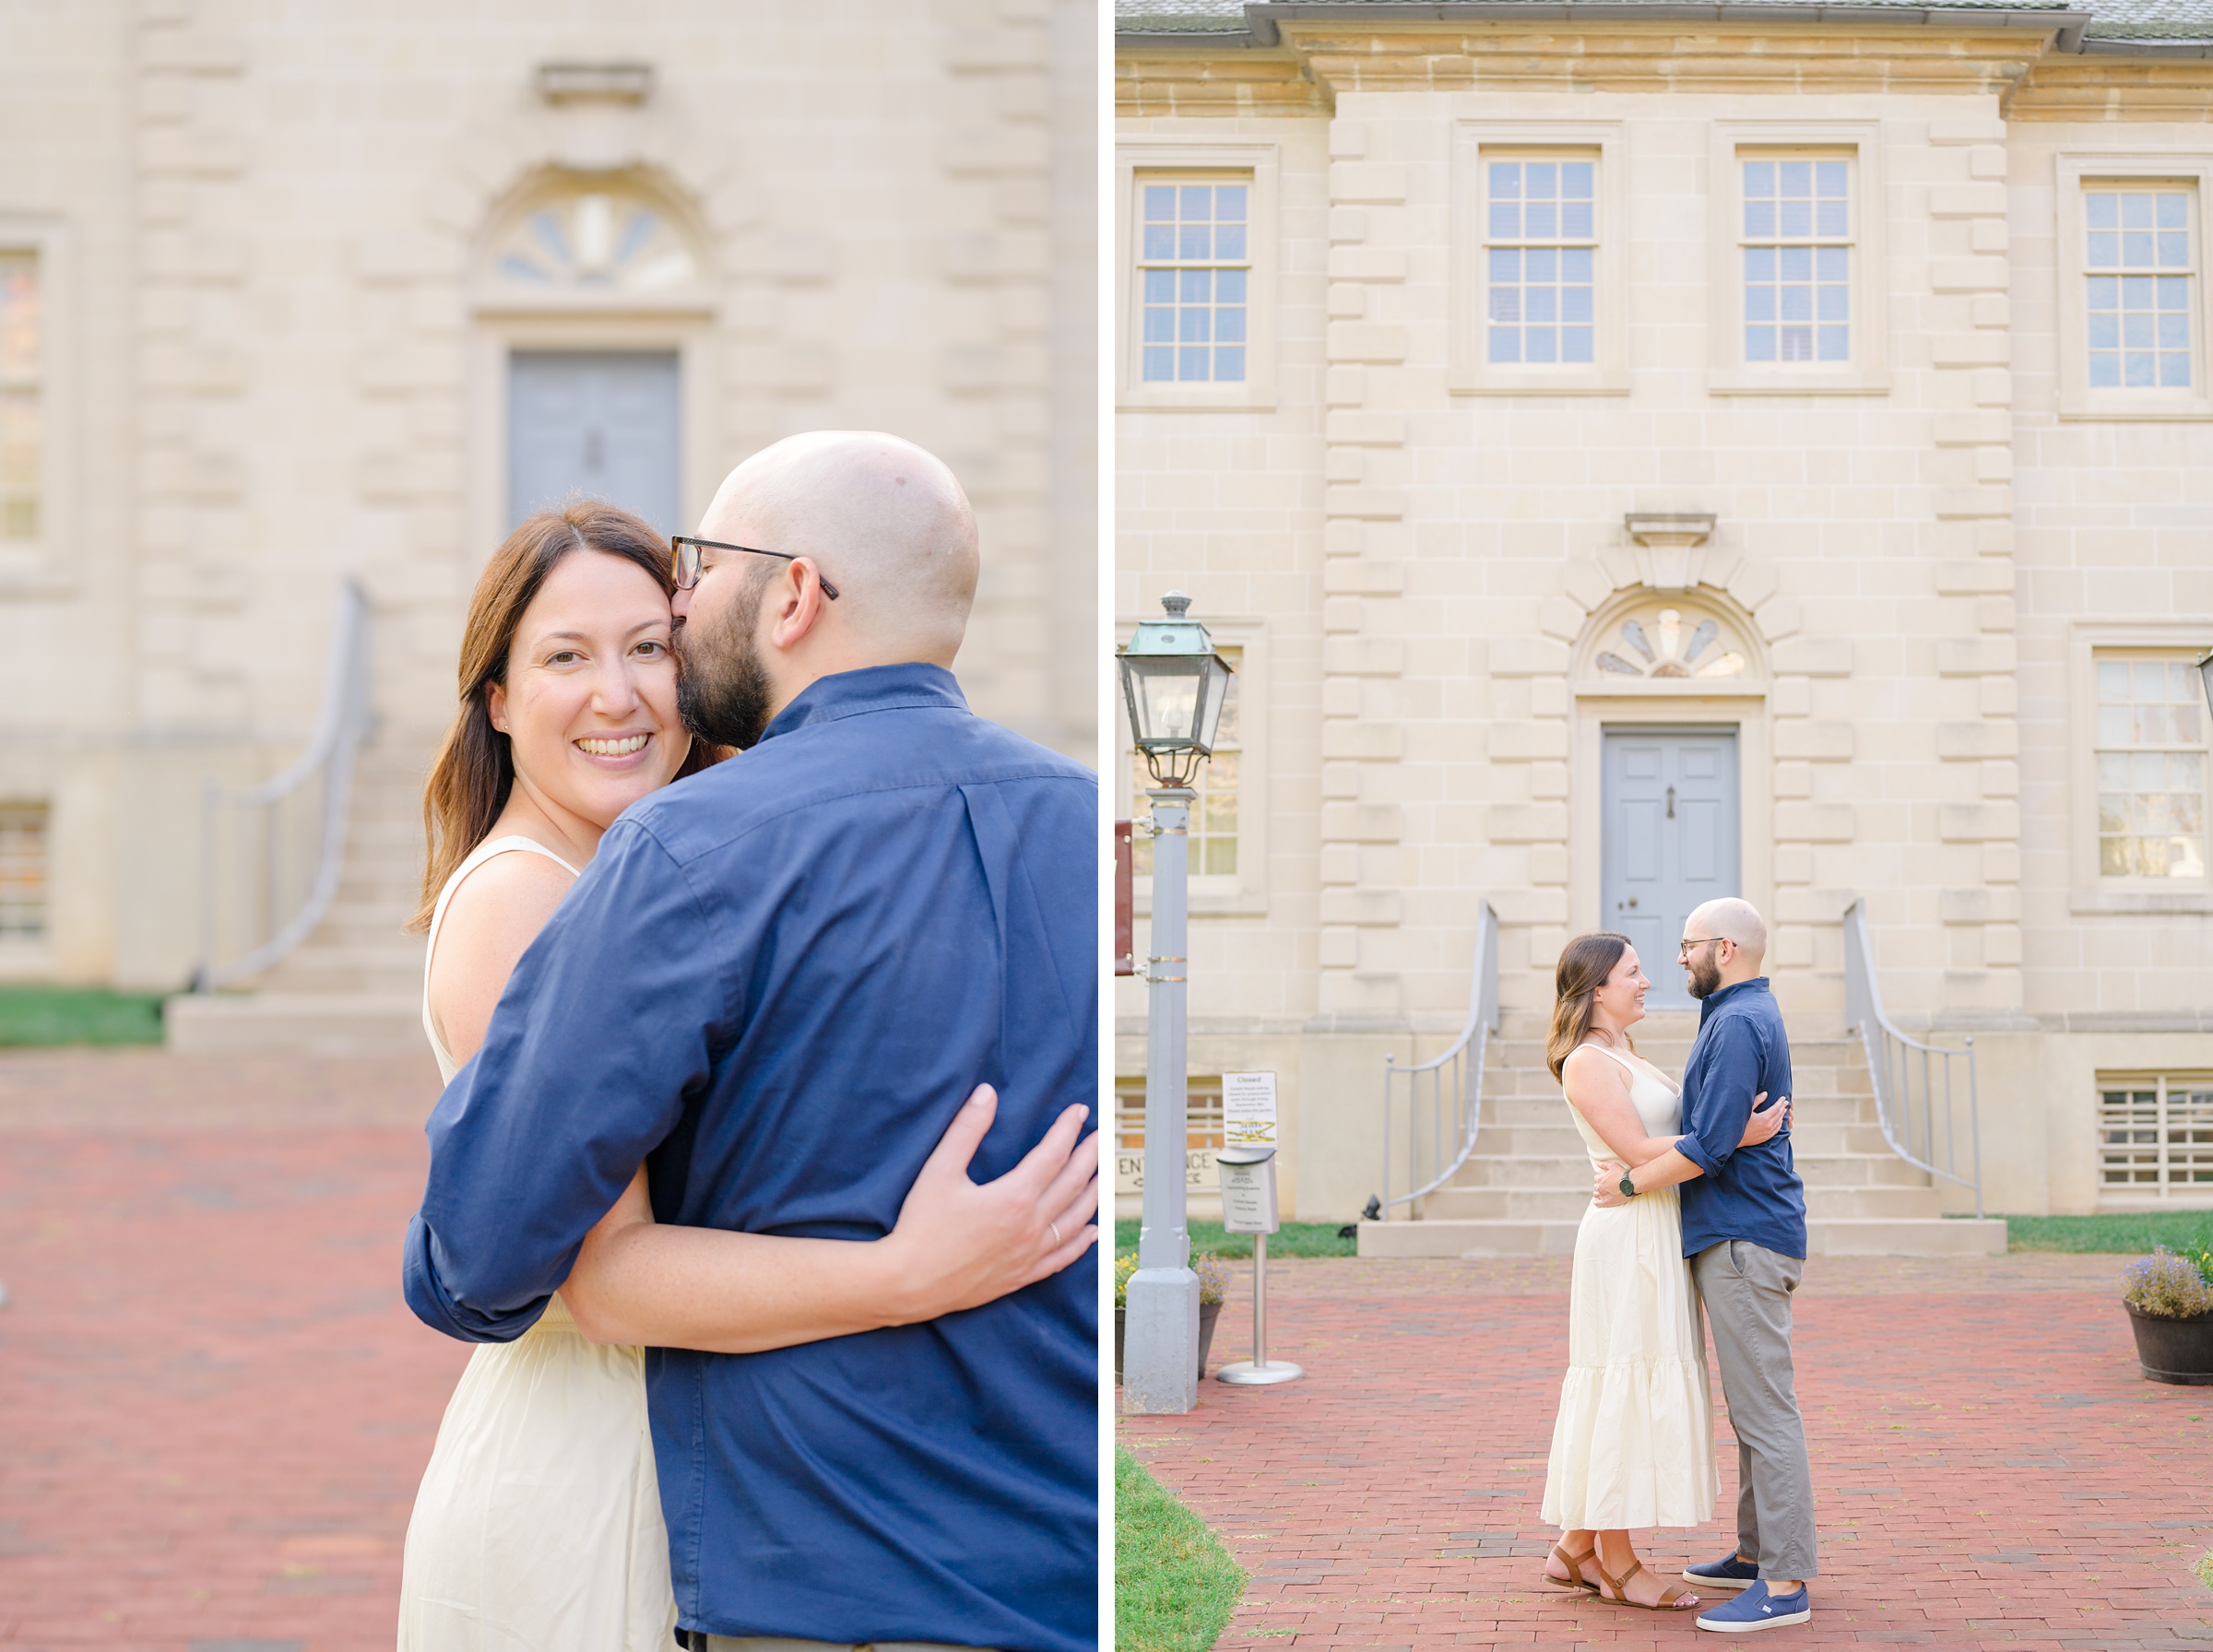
pixel 1893 1061
pixel 1455 1085
pixel 268 909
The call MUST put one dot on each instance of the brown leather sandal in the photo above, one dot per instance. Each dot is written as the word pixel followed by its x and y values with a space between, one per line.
pixel 1673 1598
pixel 1574 1578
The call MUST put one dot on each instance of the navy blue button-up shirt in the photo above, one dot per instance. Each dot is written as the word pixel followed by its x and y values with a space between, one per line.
pixel 774 985
pixel 1751 1192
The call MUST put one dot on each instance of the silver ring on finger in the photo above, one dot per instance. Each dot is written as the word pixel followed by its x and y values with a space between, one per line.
pixel 1056 1229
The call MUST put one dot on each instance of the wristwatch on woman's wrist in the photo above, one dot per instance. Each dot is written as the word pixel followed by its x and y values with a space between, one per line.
pixel 1628 1188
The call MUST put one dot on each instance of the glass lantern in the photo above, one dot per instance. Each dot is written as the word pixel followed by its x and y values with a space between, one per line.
pixel 1174 685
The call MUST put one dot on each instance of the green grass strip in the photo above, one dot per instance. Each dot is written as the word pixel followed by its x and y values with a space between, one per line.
pixel 1175 1586
pixel 1294 1239
pixel 48 1015
pixel 2133 1231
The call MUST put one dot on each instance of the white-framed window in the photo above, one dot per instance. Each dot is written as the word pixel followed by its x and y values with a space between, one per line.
pixel 1197 276
pixel 22 373
pixel 2133 305
pixel 2151 769
pixel 1795 257
pixel 2138 240
pixel 24 860
pixel 2140 813
pixel 1538 291
pixel 1540 246
pixel 1797 235
pixel 35 405
pixel 2155 1135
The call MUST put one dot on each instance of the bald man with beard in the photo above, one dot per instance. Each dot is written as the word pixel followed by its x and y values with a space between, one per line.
pixel 776 984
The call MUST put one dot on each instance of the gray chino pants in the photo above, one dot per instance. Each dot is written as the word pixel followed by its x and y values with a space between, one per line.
pixel 1746 1291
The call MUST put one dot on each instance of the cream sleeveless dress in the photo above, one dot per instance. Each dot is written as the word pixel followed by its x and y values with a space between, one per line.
pixel 539 1525
pixel 1633 1444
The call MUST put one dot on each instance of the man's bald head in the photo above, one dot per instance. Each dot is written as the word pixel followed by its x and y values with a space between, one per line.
pixel 885 520
pixel 1739 920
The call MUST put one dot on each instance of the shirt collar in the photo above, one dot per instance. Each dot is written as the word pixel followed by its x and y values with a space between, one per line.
pixel 1758 983
pixel 914 685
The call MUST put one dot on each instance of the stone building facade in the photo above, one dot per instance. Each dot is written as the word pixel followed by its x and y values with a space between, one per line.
pixel 295 295
pixel 1638 409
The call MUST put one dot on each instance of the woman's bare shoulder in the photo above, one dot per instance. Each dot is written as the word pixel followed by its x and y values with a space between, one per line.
pixel 508 895
pixel 1587 1062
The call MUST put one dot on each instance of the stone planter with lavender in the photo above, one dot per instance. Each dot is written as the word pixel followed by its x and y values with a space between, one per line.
pixel 1214 1279
pixel 2170 1303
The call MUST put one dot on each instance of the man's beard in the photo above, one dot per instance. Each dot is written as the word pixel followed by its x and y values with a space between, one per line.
pixel 1705 976
pixel 722 692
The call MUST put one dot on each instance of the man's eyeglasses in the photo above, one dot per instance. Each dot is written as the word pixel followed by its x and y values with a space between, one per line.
pixel 1683 951
pixel 684 560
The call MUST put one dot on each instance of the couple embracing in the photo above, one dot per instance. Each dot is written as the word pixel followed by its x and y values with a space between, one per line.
pixel 1696 1204
pixel 765 1368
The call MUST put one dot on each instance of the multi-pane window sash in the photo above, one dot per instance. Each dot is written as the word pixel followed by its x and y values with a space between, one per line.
pixel 2151 770
pixel 2155 1135
pixel 1202 1136
pixel 1540 247
pixel 2138 261
pixel 1797 260
pixel 1213 823
pixel 1195 276
pixel 22 436
pixel 23 847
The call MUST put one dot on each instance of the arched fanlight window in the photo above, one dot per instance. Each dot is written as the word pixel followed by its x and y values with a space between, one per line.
pixel 595 239
pixel 1659 643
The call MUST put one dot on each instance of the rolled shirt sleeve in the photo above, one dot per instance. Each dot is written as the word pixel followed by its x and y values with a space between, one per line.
pixel 603 1030
pixel 1722 1104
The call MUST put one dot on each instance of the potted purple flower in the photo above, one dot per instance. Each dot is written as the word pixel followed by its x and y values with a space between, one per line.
pixel 2170 1303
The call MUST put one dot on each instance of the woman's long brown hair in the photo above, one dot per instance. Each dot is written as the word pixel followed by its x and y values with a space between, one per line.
pixel 1585 962
pixel 474 772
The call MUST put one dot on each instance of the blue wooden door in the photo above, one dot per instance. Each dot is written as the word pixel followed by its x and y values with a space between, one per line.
pixel 1668 841
pixel 601 423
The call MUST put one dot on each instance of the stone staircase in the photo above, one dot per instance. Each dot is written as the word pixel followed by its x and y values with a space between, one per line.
pixel 1524 1189
pixel 356 984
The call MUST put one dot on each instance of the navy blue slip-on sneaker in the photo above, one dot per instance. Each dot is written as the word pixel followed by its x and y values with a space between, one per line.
pixel 1755 1609
pixel 1729 1572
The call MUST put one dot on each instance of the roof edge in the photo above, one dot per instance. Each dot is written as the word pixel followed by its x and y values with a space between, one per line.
pixel 2065 23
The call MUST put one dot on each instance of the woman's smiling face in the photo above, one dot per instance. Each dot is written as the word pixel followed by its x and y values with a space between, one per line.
pixel 1623 992
pixel 590 703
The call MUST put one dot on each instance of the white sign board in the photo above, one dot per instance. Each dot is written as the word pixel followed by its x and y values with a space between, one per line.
pixel 1130 1169
pixel 1248 1198
pixel 1249 1110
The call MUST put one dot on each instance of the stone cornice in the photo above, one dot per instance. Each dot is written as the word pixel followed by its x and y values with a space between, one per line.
pixel 1223 81
pixel 1315 60
pixel 2109 89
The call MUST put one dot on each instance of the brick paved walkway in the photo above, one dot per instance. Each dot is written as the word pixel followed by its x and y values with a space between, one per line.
pixel 214 1406
pixel 1990 1468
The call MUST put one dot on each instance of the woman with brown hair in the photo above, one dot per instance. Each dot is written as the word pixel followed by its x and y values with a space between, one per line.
pixel 1632 1446
pixel 538 1523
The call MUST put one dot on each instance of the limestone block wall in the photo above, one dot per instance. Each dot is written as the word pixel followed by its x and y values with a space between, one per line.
pixel 1910 567
pixel 66 601
pixel 2115 525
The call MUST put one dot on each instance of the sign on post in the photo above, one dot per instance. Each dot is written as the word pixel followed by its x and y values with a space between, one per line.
pixel 1247 1164
pixel 1249 1110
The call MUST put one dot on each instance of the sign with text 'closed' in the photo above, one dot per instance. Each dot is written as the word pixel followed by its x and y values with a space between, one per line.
pixel 1249 1110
